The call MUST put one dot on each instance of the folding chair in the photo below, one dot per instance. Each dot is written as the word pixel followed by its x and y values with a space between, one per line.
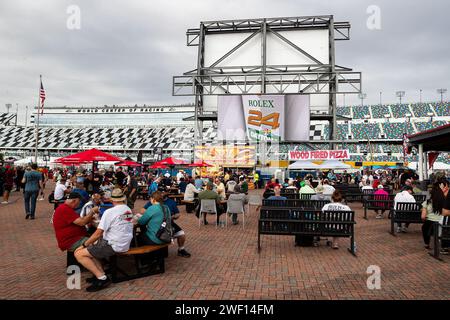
pixel 207 206
pixel 235 206
pixel 254 200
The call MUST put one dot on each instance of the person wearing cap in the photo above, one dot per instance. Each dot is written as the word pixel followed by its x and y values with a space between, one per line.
pixel 306 188
pixel 61 190
pixel 380 194
pixel 113 235
pixel 404 196
pixel 319 194
pixel 209 194
pixel 70 228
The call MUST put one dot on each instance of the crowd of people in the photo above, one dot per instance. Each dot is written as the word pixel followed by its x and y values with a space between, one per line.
pixel 95 215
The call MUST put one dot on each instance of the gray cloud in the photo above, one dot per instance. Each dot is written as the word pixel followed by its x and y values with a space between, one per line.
pixel 127 52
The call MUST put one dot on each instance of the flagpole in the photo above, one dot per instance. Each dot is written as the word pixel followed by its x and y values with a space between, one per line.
pixel 37 122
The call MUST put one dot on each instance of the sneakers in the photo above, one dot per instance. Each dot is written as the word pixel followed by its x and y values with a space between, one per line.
pixel 379 216
pixel 404 229
pixel 40 199
pixel 27 216
pixel 5 202
pixel 399 229
pixel 98 285
pixel 184 253
pixel 91 279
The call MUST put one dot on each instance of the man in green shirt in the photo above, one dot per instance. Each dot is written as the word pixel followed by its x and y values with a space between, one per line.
pixel 209 194
pixel 243 184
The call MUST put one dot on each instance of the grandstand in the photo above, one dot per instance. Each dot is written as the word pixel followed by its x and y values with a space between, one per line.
pixel 176 138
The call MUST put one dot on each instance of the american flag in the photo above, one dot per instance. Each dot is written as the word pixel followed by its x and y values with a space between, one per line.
pixel 42 96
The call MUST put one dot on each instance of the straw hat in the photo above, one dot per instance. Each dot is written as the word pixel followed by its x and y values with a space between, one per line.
pixel 117 195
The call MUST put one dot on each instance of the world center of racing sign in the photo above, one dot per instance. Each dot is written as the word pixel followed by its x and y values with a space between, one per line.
pixel 295 155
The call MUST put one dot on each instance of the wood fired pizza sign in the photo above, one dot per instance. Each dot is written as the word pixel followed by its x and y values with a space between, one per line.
pixel 295 155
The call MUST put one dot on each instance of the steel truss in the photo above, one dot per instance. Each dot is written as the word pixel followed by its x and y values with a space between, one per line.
pixel 315 78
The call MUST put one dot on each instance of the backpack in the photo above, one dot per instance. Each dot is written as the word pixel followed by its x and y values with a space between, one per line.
pixel 51 197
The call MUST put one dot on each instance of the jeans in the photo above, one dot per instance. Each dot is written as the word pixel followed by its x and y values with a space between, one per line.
pixel 30 202
pixel 427 231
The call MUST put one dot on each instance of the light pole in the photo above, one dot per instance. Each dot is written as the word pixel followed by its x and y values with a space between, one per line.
pixel 344 99
pixel 408 116
pixel 420 97
pixel 381 92
pixel 400 94
pixel 442 91
pixel 362 96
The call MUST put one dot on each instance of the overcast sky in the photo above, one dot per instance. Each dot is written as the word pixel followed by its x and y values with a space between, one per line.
pixel 126 52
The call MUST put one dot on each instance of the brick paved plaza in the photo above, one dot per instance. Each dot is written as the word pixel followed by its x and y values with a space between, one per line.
pixel 225 264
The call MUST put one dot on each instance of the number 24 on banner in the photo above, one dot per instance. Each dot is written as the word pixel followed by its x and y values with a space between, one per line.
pixel 257 119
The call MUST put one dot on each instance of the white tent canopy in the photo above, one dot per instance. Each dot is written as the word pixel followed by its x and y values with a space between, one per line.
pixel 303 164
pixel 333 164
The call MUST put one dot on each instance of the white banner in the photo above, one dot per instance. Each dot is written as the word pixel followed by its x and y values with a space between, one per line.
pixel 295 155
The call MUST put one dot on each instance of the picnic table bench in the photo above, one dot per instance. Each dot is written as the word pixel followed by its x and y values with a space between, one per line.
pixel 148 260
pixel 308 222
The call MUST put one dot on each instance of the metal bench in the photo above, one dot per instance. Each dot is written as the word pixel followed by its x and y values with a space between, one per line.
pixel 406 212
pixel 310 222
pixel 440 237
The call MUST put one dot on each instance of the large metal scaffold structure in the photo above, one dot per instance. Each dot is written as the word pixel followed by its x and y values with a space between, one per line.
pixel 317 77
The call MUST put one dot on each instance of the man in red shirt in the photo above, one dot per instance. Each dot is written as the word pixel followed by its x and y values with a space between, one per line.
pixel 69 227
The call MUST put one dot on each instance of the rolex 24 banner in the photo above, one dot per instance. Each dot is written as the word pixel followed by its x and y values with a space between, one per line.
pixel 263 117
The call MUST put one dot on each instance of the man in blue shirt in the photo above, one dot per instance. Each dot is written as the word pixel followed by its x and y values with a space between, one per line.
pixel 277 195
pixel 33 183
pixel 178 233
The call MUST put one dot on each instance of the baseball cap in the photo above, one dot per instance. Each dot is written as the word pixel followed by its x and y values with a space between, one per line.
pixel 380 186
pixel 74 195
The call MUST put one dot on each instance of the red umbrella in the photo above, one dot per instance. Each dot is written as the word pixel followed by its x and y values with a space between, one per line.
pixel 200 164
pixel 171 162
pixel 158 166
pixel 92 155
pixel 68 161
pixel 128 163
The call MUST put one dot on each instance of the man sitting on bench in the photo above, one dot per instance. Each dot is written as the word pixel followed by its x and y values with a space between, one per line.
pixel 69 227
pixel 114 234
pixel 404 196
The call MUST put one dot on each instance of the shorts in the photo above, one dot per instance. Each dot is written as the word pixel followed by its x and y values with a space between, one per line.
pixel 77 244
pixel 177 231
pixel 8 187
pixel 101 250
